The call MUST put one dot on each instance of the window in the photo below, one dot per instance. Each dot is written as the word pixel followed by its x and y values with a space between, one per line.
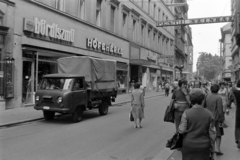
pixel 82 9
pixel 134 30
pixel 149 36
pixel 72 7
pixel 154 11
pixel 142 34
pixel 98 13
pixel 159 15
pixel 149 6
pixel 124 25
pixel 112 17
pixel 60 5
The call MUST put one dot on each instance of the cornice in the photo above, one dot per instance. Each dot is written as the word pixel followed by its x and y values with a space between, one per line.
pixel 125 8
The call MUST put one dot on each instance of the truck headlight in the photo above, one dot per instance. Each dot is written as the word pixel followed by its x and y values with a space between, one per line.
pixel 37 98
pixel 59 100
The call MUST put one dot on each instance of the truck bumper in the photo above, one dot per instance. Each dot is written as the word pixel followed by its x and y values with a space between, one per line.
pixel 61 110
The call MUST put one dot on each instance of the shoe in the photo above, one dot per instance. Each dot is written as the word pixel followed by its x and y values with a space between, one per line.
pixel 135 126
pixel 218 153
pixel 139 126
pixel 238 144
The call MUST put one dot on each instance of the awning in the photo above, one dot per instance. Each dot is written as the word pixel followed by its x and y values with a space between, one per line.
pixel 153 66
pixel 167 69
pixel 140 62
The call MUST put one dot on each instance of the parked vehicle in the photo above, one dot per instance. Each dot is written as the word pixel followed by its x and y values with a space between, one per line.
pixel 81 84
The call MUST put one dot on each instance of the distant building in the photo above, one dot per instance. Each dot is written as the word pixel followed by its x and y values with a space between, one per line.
pixel 225 52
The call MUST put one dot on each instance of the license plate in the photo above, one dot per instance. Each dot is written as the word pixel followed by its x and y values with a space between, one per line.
pixel 46 107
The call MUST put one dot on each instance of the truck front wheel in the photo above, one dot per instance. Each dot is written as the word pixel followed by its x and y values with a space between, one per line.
pixel 77 115
pixel 48 115
pixel 103 108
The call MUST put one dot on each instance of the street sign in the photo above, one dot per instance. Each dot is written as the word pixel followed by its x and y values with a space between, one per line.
pixel 195 21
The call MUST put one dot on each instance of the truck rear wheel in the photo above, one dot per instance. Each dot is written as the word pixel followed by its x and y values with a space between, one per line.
pixel 48 115
pixel 77 115
pixel 103 108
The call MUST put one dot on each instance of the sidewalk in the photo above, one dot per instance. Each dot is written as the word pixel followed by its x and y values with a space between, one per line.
pixel 228 145
pixel 28 114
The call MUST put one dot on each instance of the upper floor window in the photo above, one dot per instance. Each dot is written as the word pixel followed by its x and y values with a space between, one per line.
pixel 142 34
pixel 60 5
pixel 124 24
pixel 154 11
pixel 149 6
pixel 159 15
pixel 112 18
pixel 82 9
pixel 134 30
pixel 98 12
pixel 149 37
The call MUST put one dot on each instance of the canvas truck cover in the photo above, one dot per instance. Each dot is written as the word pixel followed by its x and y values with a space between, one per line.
pixel 99 73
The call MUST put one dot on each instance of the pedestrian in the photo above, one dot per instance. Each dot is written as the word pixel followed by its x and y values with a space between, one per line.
pixel 213 102
pixel 224 95
pixel 132 85
pixel 181 101
pixel 236 93
pixel 231 98
pixel 167 88
pixel 175 85
pixel 197 127
pixel 137 103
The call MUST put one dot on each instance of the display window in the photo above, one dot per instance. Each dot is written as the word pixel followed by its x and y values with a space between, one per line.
pixel 122 79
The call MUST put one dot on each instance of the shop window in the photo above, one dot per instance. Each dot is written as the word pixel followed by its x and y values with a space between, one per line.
pixel 98 13
pixel 121 79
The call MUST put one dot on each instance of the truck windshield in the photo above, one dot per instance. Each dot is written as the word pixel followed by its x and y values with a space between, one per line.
pixel 56 83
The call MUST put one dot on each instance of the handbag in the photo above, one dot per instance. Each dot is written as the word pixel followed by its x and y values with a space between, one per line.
pixel 131 117
pixel 175 142
pixel 169 113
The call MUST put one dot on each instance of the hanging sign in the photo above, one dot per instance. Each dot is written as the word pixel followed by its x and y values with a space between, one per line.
pixel 195 21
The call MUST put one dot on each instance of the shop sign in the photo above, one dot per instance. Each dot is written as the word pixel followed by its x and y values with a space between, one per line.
pixel 151 56
pixel 103 47
pixel 166 56
pixel 40 27
pixel 195 21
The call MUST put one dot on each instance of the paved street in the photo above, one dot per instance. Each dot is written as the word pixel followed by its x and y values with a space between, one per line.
pixel 110 137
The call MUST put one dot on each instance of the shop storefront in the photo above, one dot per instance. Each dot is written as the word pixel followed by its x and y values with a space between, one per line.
pixel 44 37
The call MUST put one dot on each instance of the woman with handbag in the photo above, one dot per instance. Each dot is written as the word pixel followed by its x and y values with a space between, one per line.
pixel 137 103
pixel 213 102
pixel 196 124
pixel 181 101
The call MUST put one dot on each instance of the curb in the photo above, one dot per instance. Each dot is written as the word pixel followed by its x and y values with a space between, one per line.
pixel 164 154
pixel 37 119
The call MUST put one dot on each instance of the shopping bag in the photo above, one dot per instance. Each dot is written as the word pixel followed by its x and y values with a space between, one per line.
pixel 175 142
pixel 169 114
pixel 131 117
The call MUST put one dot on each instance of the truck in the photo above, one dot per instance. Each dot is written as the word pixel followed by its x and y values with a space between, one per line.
pixel 82 83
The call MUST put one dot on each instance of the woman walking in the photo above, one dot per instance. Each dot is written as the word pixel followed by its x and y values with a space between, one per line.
pixel 181 101
pixel 196 126
pixel 213 103
pixel 236 93
pixel 224 95
pixel 137 103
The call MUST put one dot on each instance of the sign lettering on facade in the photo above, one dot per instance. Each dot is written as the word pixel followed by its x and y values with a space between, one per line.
pixel 40 27
pixel 109 48
pixel 195 21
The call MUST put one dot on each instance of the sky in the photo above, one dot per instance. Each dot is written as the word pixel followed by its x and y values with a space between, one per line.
pixel 205 37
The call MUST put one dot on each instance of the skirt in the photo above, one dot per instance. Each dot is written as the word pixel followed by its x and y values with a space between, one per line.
pixel 195 153
pixel 219 130
pixel 137 111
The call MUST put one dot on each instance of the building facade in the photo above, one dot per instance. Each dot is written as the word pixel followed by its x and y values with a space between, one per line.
pixel 235 38
pixel 35 33
pixel 225 52
pixel 182 40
